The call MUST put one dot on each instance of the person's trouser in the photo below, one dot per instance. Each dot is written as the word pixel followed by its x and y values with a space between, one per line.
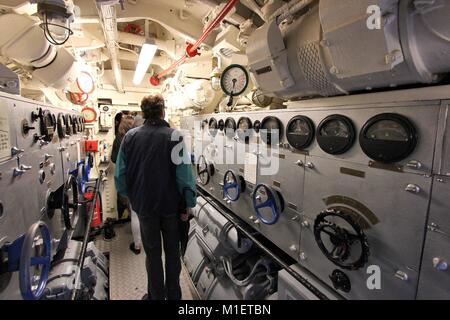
pixel 152 227
pixel 135 229
pixel 121 206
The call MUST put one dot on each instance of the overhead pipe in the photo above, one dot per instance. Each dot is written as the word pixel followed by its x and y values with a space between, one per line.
pixel 192 49
pixel 108 19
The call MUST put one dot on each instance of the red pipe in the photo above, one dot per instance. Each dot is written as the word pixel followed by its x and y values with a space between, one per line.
pixel 192 49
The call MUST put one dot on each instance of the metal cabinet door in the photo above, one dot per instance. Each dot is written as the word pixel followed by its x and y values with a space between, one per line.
pixel 435 275
pixel 14 201
pixel 392 218
pixel 289 183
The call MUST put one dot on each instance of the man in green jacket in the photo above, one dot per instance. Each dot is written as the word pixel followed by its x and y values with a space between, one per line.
pixel 156 175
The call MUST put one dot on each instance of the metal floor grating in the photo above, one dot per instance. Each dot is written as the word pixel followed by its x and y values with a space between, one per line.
pixel 128 276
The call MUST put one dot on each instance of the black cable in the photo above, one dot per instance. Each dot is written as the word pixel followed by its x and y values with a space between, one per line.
pixel 48 34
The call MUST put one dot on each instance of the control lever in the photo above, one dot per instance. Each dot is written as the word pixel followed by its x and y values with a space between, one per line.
pixel 25 167
pixel 412 188
pixel 18 172
pixel 15 151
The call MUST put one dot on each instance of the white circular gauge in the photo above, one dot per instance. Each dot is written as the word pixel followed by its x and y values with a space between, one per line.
pixel 89 114
pixel 234 80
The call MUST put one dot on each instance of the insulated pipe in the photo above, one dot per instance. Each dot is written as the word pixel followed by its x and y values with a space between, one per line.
pixel 167 46
pixel 192 49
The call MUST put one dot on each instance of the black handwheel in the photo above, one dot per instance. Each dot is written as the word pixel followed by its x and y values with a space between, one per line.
pixel 341 240
pixel 204 170
pixel 70 202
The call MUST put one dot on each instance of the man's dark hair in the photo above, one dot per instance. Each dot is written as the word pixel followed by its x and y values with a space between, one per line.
pixel 152 106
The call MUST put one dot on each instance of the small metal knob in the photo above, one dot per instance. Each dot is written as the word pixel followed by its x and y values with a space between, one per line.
pixel 305 224
pixel 299 163
pixel 414 164
pixel 293 248
pixel 252 218
pixel 303 256
pixel 62 149
pixel 15 151
pixel 440 264
pixel 43 143
pixel 257 222
pixel 412 188
pixel 310 165
pixel 402 275
pixel 48 156
pixel 25 167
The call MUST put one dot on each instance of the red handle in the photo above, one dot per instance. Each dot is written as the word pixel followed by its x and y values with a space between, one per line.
pixel 191 49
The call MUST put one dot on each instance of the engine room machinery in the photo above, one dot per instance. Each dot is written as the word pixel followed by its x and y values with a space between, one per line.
pixel 42 152
pixel 332 161
pixel 328 48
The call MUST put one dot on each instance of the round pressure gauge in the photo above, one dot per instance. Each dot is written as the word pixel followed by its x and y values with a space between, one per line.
pixel 213 126
pixel 230 127
pixel 271 130
pixel 244 129
pixel 300 132
pixel 221 124
pixel 234 80
pixel 89 114
pixel 336 134
pixel 388 138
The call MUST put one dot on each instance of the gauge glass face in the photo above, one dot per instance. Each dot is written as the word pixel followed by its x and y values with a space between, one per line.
pixel 234 80
pixel 271 128
pixel 244 124
pixel 335 128
pixel 300 132
pixel 213 126
pixel 230 127
pixel 221 125
pixel 387 130
pixel 89 114
pixel 299 128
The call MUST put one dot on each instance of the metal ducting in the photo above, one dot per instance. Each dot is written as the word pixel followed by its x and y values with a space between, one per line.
pixel 108 17
pixel 330 50
pixel 26 44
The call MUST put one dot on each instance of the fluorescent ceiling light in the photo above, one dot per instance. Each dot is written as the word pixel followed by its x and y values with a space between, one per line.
pixel 146 56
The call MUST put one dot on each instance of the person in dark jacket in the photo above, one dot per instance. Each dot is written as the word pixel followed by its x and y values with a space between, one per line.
pixel 126 123
pixel 155 182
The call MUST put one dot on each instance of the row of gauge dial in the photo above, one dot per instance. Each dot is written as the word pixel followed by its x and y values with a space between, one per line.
pixel 387 137
pixel 66 124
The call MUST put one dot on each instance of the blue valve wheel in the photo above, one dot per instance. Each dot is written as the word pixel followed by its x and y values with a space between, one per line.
pixel 36 256
pixel 232 182
pixel 273 201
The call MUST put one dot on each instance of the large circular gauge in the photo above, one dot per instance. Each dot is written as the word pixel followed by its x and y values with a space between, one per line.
pixel 204 124
pixel 230 127
pixel 271 130
pixel 244 129
pixel 336 134
pixel 300 132
pixel 89 114
pixel 47 125
pixel 213 127
pixel 388 138
pixel 234 80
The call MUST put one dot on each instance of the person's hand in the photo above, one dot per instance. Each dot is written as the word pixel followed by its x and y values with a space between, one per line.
pixel 185 216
